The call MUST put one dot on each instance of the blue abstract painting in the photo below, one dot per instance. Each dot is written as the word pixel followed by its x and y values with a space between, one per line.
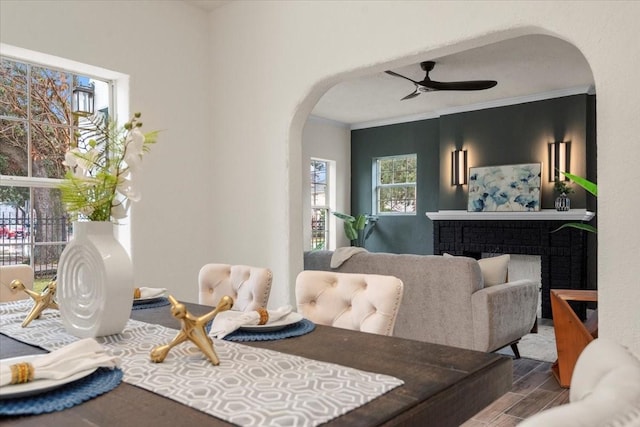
pixel 509 188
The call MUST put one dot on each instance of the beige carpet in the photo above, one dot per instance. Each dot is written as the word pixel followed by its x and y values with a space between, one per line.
pixel 540 346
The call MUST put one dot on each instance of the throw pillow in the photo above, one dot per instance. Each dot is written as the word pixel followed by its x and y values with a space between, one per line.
pixel 494 269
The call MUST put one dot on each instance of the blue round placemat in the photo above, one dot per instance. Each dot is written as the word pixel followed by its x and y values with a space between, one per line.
pixel 139 305
pixel 299 328
pixel 66 396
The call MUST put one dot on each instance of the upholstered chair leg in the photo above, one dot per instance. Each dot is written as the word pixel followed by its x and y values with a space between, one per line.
pixel 514 348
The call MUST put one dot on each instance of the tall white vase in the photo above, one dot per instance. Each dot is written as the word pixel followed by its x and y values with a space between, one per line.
pixel 95 282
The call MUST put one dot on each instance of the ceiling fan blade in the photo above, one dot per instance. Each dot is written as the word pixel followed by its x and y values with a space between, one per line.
pixel 401 76
pixel 411 95
pixel 467 85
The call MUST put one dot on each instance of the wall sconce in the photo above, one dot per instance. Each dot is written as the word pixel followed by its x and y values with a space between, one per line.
pixel 459 167
pixel 82 100
pixel 559 155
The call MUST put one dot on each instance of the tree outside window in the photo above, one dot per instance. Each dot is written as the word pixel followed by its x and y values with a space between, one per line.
pixel 37 128
pixel 396 184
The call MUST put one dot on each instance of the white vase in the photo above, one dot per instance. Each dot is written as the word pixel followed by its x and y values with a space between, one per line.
pixel 95 282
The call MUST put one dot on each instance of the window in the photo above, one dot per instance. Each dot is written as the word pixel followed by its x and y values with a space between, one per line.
pixel 395 184
pixel 319 204
pixel 36 129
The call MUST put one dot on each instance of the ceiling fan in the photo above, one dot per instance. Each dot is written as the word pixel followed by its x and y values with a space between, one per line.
pixel 428 85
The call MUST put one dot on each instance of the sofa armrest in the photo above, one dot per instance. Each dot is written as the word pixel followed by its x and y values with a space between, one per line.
pixel 503 313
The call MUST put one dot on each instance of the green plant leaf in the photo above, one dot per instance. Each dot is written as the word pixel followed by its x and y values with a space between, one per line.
pixel 589 186
pixel 361 221
pixel 345 217
pixel 578 225
pixel 350 231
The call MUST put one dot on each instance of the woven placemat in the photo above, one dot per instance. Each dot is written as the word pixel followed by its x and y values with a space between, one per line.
pixel 139 305
pixel 299 328
pixel 63 397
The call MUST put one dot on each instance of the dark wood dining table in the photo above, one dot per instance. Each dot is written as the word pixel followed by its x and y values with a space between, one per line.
pixel 443 386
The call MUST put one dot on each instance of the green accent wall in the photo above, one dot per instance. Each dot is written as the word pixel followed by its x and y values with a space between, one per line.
pixel 397 233
pixel 495 136
pixel 512 135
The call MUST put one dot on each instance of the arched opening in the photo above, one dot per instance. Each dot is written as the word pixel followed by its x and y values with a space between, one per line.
pixel 546 94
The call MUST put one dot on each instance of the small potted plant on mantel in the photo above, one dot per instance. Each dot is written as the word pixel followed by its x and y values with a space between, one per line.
pixel 562 188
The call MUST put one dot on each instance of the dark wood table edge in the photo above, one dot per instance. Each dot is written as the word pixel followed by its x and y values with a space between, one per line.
pixel 450 407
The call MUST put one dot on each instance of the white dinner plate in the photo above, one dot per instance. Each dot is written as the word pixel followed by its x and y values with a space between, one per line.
pixel 37 386
pixel 282 323
pixel 148 299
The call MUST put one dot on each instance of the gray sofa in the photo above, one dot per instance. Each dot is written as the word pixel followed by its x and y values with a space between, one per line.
pixel 445 300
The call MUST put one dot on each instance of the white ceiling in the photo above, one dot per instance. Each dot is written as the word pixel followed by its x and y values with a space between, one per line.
pixel 526 68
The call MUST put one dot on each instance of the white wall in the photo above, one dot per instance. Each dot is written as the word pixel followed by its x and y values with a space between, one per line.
pixel 305 47
pixel 164 48
pixel 326 140
pixel 267 63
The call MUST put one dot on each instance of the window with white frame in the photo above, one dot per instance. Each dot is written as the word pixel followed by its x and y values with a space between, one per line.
pixel 395 184
pixel 37 127
pixel 320 204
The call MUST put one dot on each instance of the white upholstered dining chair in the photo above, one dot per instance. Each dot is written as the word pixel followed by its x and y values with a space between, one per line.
pixel 9 273
pixel 248 286
pixel 363 302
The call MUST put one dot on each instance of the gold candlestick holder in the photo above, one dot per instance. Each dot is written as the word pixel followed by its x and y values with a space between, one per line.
pixel 42 300
pixel 193 329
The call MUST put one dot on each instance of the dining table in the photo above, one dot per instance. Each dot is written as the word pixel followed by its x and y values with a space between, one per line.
pixel 440 385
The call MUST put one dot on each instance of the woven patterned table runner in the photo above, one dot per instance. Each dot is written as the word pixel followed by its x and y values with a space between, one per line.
pixel 251 386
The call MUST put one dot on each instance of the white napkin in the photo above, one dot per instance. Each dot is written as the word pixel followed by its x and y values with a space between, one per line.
pixel 64 362
pixel 226 322
pixel 152 292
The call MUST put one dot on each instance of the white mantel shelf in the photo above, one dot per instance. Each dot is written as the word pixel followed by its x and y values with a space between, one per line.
pixel 543 215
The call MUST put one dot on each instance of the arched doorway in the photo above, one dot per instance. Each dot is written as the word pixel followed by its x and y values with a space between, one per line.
pixel 535 69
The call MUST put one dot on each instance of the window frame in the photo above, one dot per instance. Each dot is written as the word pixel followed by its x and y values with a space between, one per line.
pixel 117 101
pixel 377 185
pixel 326 206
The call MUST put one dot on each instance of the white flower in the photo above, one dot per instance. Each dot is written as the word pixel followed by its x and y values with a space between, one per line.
pixel 70 158
pixel 127 188
pixel 103 169
pixel 134 150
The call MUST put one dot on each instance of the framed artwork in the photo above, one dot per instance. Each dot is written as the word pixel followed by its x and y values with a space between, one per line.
pixel 508 188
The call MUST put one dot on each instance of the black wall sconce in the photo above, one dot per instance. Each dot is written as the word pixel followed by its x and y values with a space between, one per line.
pixel 559 155
pixel 82 100
pixel 459 167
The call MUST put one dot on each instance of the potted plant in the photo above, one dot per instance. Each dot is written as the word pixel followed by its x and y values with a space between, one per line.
pixel 95 276
pixel 592 188
pixel 354 227
pixel 563 203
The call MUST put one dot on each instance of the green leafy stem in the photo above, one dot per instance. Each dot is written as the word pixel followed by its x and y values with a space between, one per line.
pixel 589 186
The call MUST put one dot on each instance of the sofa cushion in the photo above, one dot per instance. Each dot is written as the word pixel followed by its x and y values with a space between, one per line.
pixel 495 269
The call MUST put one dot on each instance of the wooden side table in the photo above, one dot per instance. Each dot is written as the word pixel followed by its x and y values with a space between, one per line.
pixel 572 336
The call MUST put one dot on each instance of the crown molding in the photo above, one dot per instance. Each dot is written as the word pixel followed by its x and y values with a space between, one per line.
pixel 590 90
pixel 328 121
pixel 395 120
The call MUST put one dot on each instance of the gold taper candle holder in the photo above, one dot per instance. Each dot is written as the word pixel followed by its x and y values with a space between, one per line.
pixel 193 329
pixel 42 300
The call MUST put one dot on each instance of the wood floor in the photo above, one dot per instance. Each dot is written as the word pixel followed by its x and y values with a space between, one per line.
pixel 534 389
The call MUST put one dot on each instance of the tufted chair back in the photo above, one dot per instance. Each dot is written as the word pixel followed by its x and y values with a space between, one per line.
pixel 248 286
pixel 364 302
pixel 9 273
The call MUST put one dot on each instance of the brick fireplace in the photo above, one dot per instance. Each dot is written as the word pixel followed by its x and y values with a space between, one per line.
pixel 563 255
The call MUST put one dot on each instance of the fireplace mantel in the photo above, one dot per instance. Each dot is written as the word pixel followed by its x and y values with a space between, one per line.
pixel 543 215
